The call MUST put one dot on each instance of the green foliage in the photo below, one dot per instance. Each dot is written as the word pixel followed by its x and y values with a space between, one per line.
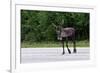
pixel 36 26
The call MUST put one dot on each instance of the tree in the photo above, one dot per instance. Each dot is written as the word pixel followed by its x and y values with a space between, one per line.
pixel 36 26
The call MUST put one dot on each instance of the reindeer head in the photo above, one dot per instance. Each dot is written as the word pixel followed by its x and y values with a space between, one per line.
pixel 58 30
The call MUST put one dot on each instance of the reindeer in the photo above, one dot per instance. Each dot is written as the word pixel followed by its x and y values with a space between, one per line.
pixel 63 34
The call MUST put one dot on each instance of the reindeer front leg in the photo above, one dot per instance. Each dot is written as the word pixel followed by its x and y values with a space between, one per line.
pixel 63 47
pixel 67 46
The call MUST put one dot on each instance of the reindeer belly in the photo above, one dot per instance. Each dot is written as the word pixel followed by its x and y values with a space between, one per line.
pixel 66 33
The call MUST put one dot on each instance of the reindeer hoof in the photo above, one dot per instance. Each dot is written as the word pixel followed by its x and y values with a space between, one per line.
pixel 63 53
pixel 69 52
pixel 74 51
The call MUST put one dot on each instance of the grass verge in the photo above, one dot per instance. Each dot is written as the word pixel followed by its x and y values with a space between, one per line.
pixel 84 43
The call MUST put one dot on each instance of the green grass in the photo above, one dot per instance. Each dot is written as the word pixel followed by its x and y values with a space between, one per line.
pixel 84 43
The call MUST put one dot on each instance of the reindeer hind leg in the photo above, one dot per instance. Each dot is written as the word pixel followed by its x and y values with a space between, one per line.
pixel 74 45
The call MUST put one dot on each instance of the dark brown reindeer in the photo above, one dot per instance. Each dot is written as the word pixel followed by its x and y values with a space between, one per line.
pixel 63 34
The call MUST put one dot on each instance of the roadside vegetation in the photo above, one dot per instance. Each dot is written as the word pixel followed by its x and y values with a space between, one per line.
pixel 37 29
pixel 52 44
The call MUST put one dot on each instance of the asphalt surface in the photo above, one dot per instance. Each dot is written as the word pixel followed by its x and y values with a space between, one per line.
pixel 32 55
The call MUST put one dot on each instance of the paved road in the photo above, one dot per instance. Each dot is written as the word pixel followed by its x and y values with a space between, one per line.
pixel 31 55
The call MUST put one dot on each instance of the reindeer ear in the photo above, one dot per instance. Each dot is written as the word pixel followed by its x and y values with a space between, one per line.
pixel 62 22
pixel 54 25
